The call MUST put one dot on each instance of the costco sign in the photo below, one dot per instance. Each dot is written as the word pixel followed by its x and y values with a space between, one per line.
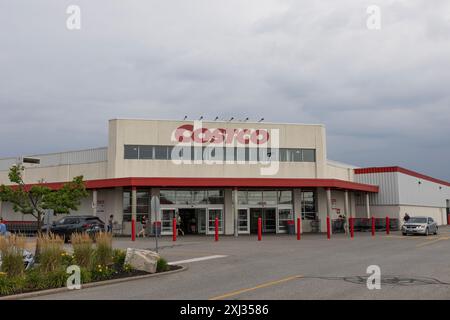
pixel 189 133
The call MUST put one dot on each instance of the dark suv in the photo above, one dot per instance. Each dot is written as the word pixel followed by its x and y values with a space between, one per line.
pixel 64 227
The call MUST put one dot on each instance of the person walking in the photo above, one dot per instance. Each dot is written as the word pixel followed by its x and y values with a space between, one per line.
pixel 144 223
pixel 3 229
pixel 110 223
pixel 179 228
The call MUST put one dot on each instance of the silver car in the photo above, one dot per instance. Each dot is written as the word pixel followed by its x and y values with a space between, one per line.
pixel 420 225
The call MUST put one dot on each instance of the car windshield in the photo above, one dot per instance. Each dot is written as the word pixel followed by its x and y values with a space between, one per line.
pixel 418 220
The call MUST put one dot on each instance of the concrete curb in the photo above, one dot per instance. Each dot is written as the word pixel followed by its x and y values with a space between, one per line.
pixel 89 285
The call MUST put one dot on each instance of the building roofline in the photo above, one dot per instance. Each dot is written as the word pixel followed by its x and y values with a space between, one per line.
pixel 401 170
pixel 222 121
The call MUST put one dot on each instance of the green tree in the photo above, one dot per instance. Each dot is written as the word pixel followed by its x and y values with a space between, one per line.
pixel 37 198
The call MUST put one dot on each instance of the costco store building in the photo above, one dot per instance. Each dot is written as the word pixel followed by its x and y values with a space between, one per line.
pixel 233 171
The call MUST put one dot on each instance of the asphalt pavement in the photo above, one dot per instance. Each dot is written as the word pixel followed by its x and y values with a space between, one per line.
pixel 281 267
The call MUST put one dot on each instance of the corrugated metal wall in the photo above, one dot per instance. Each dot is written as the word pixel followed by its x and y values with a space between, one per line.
pixel 62 158
pixel 388 183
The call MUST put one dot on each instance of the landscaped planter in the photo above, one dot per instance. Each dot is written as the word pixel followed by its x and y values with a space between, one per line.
pixel 115 277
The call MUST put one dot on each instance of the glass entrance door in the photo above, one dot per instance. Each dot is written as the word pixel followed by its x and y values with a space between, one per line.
pixel 284 215
pixel 167 216
pixel 211 218
pixel 269 220
pixel 255 213
pixel 268 217
pixel 243 221
pixel 201 218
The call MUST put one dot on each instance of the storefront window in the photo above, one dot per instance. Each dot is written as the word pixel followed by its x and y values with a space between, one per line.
pixel 270 198
pixel 126 202
pixel 142 204
pixel 242 197
pixel 308 205
pixel 215 197
pixel 285 197
pixel 255 198
pixel 167 197
pixel 183 197
pixel 199 197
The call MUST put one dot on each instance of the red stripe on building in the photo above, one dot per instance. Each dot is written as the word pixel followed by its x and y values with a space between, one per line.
pixel 400 170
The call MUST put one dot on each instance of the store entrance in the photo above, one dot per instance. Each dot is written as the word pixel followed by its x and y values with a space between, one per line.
pixel 268 217
pixel 193 221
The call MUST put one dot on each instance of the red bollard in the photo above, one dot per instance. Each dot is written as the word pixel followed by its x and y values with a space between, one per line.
pixel 174 229
pixel 373 226
pixel 133 230
pixel 352 228
pixel 298 228
pixel 328 228
pixel 216 227
pixel 259 229
pixel 388 225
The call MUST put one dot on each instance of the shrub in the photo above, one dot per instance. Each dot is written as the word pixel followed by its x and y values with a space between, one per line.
pixel 67 259
pixel 103 251
pixel 86 275
pixel 82 249
pixel 11 250
pixel 119 259
pixel 36 280
pixel 11 285
pixel 162 265
pixel 102 272
pixel 51 252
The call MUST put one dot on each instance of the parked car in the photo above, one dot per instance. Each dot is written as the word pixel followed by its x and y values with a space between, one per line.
pixel 68 225
pixel 420 225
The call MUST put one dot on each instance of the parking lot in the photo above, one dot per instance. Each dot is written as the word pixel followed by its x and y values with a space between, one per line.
pixel 280 267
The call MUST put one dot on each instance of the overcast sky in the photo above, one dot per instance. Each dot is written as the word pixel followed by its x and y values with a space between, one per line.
pixel 384 95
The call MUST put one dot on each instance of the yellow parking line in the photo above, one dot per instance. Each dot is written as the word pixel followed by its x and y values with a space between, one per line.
pixel 263 285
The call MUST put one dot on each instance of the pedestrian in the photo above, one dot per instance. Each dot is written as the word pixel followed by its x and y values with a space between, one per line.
pixel 144 223
pixel 110 223
pixel 406 217
pixel 179 228
pixel 343 219
pixel 3 229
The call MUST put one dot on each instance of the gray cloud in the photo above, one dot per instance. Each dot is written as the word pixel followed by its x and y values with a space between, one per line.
pixel 383 95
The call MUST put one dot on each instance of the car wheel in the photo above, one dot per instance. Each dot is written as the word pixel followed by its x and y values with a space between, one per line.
pixel 404 233
pixel 436 231
pixel 427 232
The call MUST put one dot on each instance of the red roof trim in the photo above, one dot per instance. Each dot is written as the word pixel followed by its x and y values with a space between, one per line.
pixel 222 182
pixel 401 170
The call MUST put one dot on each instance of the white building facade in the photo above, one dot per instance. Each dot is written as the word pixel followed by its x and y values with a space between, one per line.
pixel 234 171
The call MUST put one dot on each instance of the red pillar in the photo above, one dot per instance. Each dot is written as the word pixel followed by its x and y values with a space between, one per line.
pixel 299 227
pixel 259 229
pixel 373 226
pixel 174 229
pixel 133 230
pixel 216 227
pixel 388 225
pixel 328 228
pixel 352 228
